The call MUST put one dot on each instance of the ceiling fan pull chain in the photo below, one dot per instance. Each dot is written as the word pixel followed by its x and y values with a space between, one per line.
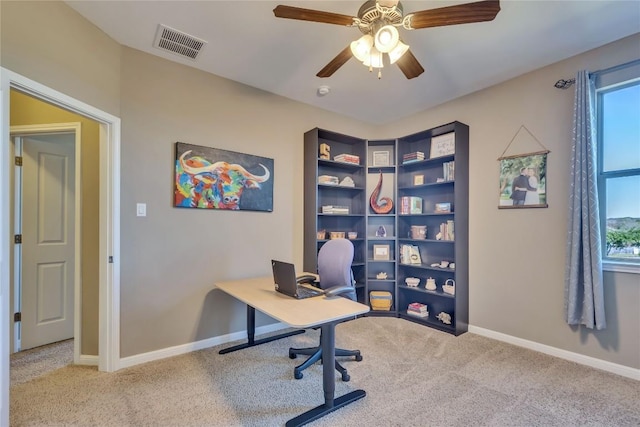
pixel 379 73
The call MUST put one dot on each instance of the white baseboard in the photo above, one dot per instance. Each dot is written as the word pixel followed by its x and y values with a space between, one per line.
pixel 614 368
pixel 88 360
pixel 127 362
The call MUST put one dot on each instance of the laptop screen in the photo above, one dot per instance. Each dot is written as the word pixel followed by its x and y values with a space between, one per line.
pixel 284 277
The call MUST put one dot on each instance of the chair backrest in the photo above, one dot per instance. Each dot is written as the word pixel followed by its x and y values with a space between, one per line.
pixel 334 265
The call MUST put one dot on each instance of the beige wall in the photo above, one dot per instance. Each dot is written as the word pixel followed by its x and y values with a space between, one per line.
pixel 171 257
pixel 517 257
pixel 26 110
pixel 51 43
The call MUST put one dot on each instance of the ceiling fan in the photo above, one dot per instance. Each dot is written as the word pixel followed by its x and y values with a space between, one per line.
pixel 378 19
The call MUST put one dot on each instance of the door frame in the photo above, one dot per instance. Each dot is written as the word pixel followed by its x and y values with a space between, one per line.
pixel 22 131
pixel 109 263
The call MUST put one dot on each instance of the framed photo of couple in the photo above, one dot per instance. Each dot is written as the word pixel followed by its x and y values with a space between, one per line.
pixel 523 181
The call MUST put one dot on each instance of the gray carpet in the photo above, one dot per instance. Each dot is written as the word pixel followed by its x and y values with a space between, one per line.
pixel 413 375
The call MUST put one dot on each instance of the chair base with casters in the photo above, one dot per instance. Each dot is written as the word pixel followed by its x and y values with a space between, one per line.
pixel 315 354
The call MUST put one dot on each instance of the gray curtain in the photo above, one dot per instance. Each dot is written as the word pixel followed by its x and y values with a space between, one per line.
pixel 584 296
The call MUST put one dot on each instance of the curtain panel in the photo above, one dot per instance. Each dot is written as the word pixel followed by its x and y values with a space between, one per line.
pixel 584 294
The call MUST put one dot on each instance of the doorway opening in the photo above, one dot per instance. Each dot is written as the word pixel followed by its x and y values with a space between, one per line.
pixel 109 223
pixel 48 234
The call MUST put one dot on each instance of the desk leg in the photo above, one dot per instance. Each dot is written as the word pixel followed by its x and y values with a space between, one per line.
pixel 251 332
pixel 328 382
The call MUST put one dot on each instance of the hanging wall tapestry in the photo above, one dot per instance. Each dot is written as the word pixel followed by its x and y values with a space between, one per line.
pixel 523 177
pixel 211 178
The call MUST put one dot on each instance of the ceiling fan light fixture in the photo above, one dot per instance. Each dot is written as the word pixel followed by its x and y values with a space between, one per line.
pixel 397 52
pixel 386 38
pixel 374 60
pixel 361 47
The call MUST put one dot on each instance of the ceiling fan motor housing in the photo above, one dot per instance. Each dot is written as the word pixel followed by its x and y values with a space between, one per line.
pixel 372 17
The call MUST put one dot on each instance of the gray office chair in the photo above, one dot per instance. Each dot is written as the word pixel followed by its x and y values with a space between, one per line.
pixel 334 268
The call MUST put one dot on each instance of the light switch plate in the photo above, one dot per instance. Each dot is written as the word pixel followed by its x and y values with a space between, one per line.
pixel 141 209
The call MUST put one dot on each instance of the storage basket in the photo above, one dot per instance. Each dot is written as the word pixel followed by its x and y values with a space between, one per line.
pixel 380 300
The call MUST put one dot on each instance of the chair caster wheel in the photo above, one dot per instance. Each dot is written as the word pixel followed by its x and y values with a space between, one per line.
pixel 292 355
pixel 345 377
pixel 297 375
pixel 358 358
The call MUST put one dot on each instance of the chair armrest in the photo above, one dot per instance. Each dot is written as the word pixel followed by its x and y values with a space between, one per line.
pixel 338 290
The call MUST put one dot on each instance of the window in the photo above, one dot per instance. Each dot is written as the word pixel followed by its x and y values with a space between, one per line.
pixel 618 121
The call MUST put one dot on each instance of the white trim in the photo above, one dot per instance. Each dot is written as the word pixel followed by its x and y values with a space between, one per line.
pixel 614 368
pixel 76 129
pixel 151 356
pixel 109 282
pixel 5 324
pixel 17 249
pixel 621 267
pixel 87 360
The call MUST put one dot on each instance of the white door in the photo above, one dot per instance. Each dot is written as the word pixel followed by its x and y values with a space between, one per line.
pixel 48 236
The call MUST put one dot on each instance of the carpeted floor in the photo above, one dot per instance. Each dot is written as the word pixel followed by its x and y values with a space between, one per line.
pixel 413 375
pixel 33 363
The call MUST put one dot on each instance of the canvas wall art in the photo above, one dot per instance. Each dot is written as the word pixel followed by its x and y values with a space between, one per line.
pixel 523 181
pixel 211 178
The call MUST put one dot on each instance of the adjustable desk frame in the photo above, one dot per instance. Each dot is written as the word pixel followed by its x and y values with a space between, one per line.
pixel 251 333
pixel 318 311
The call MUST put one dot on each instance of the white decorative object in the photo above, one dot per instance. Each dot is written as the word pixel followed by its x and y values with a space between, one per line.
pixel 412 281
pixel 347 182
pixel 449 287
pixel 431 284
pixel 444 318
pixel 381 276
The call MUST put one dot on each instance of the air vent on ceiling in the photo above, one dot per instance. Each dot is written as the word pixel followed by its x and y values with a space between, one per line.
pixel 178 42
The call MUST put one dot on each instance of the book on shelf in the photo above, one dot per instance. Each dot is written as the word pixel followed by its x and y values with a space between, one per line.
pixel 448 171
pixel 328 180
pixel 417 309
pixel 447 230
pixel 410 254
pixel 410 205
pixel 347 158
pixel 416 306
pixel 330 209
pixel 416 155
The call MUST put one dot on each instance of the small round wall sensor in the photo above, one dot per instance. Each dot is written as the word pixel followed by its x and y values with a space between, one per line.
pixel 323 90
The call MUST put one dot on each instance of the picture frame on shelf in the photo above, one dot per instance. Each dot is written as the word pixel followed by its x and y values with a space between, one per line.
pixel 380 158
pixel 443 145
pixel 443 207
pixel 381 253
pixel 418 179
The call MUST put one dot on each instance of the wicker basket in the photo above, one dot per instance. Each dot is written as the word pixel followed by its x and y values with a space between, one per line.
pixel 380 300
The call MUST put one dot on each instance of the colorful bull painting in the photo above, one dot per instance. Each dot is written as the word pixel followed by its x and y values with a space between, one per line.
pixel 211 178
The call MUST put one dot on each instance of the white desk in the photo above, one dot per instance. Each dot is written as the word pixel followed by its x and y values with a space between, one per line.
pixel 259 294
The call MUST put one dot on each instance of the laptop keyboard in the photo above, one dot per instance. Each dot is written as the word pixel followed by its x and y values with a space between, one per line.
pixel 304 292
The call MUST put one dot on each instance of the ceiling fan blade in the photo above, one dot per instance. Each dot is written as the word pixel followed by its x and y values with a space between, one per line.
pixel 409 65
pixel 336 63
pixel 299 13
pixel 460 14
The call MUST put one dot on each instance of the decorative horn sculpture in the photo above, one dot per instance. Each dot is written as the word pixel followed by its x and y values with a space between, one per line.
pixel 385 205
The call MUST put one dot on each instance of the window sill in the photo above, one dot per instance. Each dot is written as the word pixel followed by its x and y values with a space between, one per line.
pixel 621 267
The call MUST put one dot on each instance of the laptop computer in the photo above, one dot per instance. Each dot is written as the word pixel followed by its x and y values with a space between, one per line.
pixel 284 277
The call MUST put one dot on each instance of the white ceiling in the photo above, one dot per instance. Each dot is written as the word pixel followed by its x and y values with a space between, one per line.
pixel 246 43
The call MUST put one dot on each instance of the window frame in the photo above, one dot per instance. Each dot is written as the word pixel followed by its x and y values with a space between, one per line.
pixel 618 78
